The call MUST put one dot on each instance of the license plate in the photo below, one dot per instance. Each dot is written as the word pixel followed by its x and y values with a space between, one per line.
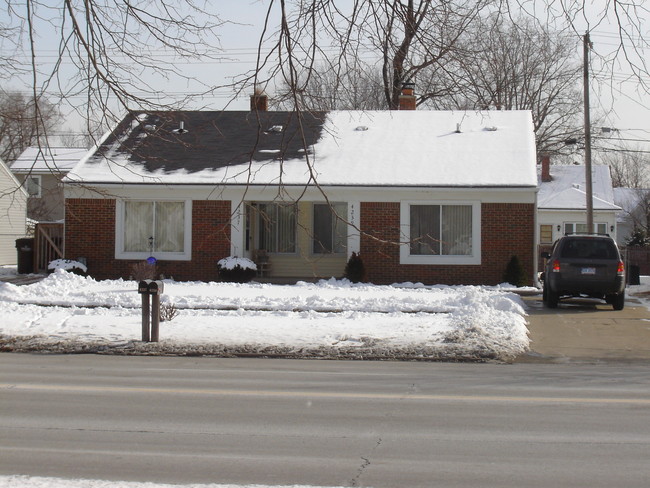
pixel 588 271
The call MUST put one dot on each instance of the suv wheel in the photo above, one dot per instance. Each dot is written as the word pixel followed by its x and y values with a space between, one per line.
pixel 552 298
pixel 618 301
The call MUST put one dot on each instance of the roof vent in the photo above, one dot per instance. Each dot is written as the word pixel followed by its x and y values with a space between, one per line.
pixel 181 128
pixel 276 128
pixel 491 128
pixel 458 128
pixel 361 128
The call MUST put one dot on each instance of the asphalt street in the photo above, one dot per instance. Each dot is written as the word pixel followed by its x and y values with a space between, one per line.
pixel 325 423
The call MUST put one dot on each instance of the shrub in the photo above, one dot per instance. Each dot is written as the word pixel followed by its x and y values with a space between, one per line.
pixel 68 265
pixel 167 312
pixel 236 270
pixel 638 238
pixel 355 271
pixel 515 274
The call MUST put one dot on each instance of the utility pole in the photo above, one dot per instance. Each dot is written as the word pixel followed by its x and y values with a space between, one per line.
pixel 589 189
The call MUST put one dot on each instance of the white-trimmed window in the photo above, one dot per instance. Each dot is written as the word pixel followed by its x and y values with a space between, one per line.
pixel 33 186
pixel 441 233
pixel 277 227
pixel 330 232
pixel 581 227
pixel 159 228
pixel 546 234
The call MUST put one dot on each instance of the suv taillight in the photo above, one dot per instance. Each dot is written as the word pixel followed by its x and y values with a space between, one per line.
pixel 621 268
pixel 556 266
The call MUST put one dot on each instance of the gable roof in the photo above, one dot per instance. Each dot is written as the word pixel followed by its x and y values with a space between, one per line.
pixel 8 182
pixel 566 190
pixel 373 148
pixel 45 160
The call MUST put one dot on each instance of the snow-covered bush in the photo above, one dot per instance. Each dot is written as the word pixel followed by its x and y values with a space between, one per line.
pixel 68 265
pixel 236 270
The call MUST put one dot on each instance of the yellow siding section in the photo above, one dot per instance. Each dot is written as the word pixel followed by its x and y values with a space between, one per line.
pixel 303 263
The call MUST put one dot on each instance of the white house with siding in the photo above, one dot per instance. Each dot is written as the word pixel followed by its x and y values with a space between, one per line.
pixel 13 211
pixel 562 201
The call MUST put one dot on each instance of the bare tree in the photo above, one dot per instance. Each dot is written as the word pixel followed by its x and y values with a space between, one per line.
pixel 24 122
pixel 402 38
pixel 119 50
pixel 515 64
pixel 358 88
pixel 628 168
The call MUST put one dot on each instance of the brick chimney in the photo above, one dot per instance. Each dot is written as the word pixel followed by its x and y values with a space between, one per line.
pixel 546 169
pixel 259 101
pixel 407 97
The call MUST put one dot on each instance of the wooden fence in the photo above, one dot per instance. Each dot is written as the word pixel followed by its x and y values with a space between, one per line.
pixel 48 245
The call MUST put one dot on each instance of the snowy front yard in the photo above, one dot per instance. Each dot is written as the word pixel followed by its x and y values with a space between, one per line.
pixel 329 319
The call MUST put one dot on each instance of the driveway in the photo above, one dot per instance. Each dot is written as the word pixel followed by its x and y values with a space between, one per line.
pixel 587 330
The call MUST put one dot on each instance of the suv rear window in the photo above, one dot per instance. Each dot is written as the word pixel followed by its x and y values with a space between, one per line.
pixel 589 249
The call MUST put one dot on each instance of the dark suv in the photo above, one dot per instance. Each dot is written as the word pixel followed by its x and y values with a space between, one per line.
pixel 584 265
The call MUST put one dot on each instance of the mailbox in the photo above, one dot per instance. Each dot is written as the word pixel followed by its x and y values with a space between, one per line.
pixel 143 287
pixel 156 287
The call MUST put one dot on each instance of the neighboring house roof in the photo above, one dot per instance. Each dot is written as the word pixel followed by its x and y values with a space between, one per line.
pixel 371 148
pixel 566 190
pixel 630 201
pixel 9 181
pixel 46 160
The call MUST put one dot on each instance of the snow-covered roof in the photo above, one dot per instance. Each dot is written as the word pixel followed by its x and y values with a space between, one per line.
pixel 372 148
pixel 566 190
pixel 44 160
pixel 631 200
pixel 8 182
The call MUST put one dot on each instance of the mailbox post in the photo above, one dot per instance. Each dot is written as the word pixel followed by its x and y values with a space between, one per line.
pixel 155 290
pixel 150 291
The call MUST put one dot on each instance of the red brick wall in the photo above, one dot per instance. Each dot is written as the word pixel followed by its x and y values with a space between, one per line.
pixel 90 233
pixel 506 230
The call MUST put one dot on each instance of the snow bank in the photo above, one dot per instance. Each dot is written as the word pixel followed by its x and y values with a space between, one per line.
pixel 333 318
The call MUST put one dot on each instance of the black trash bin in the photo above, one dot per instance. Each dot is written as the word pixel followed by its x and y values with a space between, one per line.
pixel 634 275
pixel 25 248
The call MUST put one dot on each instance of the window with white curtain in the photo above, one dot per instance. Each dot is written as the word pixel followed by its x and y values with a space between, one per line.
pixel 158 228
pixel 330 232
pixel 440 233
pixel 277 227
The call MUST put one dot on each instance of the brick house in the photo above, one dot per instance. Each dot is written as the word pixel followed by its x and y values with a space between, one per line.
pixel 428 196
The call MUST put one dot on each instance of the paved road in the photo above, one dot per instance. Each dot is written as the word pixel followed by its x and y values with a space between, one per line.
pixel 325 423
pixel 588 330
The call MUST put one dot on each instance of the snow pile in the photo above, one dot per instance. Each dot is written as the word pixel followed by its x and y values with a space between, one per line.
pixel 67 265
pixel 231 262
pixel 8 270
pixel 333 318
